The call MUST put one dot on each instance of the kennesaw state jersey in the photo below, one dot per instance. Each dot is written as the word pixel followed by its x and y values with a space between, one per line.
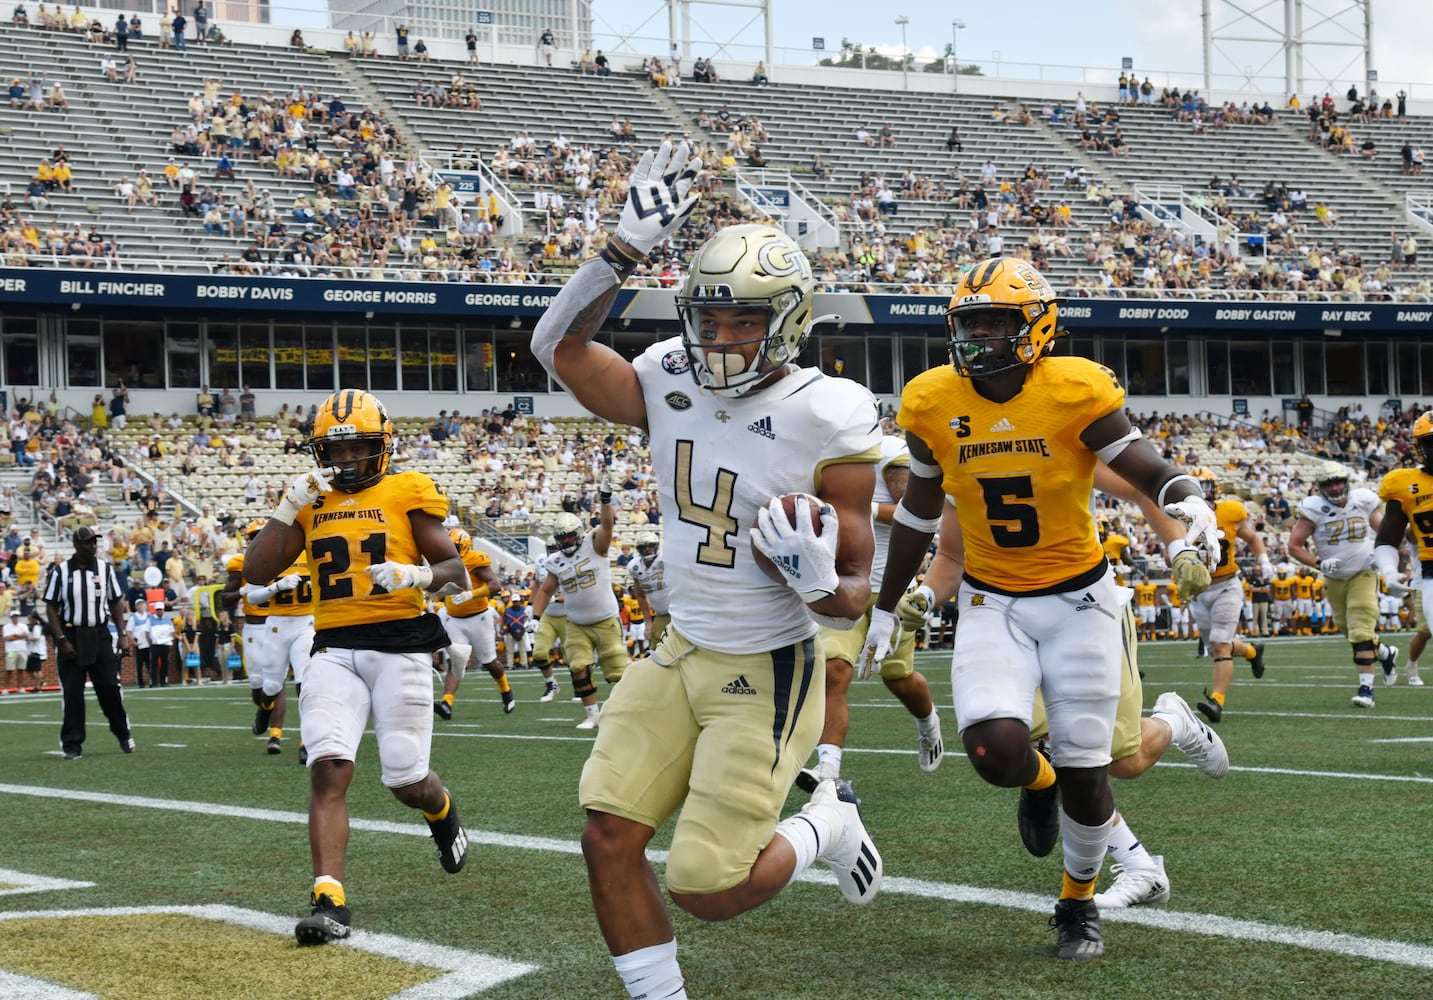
pixel 1412 489
pixel 540 568
pixel 894 454
pixel 585 579
pixel 296 603
pixel 718 459
pixel 1343 533
pixel 653 581
pixel 348 532
pixel 472 562
pixel 1228 515
pixel 1019 474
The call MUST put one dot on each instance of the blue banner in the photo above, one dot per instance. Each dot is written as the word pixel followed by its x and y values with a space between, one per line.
pixel 34 287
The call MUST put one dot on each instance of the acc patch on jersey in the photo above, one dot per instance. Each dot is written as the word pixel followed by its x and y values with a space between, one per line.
pixel 678 400
pixel 676 362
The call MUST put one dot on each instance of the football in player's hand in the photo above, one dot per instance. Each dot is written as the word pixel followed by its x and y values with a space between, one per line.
pixel 791 503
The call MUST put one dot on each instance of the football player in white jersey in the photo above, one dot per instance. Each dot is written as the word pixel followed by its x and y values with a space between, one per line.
pixel 1342 524
pixel 581 568
pixel 730 704
pixel 649 585
pixel 843 647
pixel 550 630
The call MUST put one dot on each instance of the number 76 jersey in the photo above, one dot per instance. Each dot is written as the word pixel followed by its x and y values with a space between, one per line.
pixel 718 459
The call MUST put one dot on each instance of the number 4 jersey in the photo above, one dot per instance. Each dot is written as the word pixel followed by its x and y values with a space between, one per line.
pixel 718 459
pixel 1017 471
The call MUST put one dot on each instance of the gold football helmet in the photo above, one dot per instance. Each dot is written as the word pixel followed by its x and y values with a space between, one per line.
pixel 1423 439
pixel 751 267
pixel 1208 483
pixel 1331 481
pixel 254 527
pixel 1003 314
pixel 462 541
pixel 353 415
pixel 567 533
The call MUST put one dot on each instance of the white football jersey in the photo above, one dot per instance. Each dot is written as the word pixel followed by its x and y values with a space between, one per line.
pixel 555 607
pixel 893 453
pixel 585 579
pixel 653 581
pixel 1343 533
pixel 718 459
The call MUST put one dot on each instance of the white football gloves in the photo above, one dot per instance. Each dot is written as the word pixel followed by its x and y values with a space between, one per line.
pixel 604 491
pixel 882 636
pixel 393 576
pixel 462 597
pixel 1328 567
pixel 307 488
pixel 659 196
pixel 1202 531
pixel 807 560
pixel 1266 567
pixel 289 582
pixel 1191 576
pixel 914 606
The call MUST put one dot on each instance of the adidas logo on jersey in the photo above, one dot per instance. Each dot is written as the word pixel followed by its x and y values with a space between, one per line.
pixel 762 427
pixel 1002 426
pixel 739 686
pixel 350 502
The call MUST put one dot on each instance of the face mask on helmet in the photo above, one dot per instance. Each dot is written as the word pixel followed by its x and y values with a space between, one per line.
pixel 745 308
pixel 647 545
pixel 1423 439
pixel 568 541
pixel 1003 315
pixel 1335 491
pixel 1210 488
pixel 352 432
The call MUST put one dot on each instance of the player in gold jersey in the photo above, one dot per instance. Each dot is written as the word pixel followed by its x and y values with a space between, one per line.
pixel 470 621
pixel 1216 611
pixel 1407 495
pixel 1147 606
pixel 375 542
pixel 1013 437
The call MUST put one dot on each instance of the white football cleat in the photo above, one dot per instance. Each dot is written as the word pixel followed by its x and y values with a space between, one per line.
pixel 1199 743
pixel 1135 886
pixel 931 748
pixel 550 693
pixel 850 853
pixel 1390 666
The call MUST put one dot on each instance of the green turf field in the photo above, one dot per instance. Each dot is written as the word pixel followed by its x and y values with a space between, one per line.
pixel 1304 873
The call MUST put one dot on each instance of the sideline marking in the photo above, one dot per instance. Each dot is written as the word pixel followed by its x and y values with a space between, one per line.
pixel 12 984
pixel 467 972
pixel 1211 925
pixel 22 882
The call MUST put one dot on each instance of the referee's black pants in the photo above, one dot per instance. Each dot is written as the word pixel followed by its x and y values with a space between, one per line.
pixel 94 660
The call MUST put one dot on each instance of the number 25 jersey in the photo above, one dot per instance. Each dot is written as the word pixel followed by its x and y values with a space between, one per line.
pixel 1018 472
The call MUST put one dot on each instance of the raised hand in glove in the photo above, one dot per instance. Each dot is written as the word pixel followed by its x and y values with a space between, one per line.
pixel 882 636
pixel 1202 531
pixel 604 491
pixel 1191 576
pixel 914 606
pixel 806 560
pixel 290 582
pixel 659 196
pixel 304 490
pixel 390 576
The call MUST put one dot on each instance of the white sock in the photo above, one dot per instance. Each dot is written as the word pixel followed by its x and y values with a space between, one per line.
pixel 1125 847
pixel 1365 680
pixel 829 755
pixel 652 973
pixel 1084 846
pixel 1178 724
pixel 929 722
pixel 1384 652
pixel 592 710
pixel 805 833
pixel 1412 665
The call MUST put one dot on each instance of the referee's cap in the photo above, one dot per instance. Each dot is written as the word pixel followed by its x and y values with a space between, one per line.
pixel 84 533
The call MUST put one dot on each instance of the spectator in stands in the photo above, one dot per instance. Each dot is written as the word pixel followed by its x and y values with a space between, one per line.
pixel 37 193
pixel 759 76
pixel 296 40
pixel 546 46
pixel 131 71
pixel 420 52
pixel 402 32
pixel 604 67
pixel 136 28
pixel 177 25
pixel 121 34
pixel 471 40
pixel 20 18
pixel 58 100
pixel 887 137
pixel 118 403
pixel 17 93
pixel 952 141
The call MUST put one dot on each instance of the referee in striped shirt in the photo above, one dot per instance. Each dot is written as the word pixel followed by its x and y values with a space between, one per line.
pixel 79 593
